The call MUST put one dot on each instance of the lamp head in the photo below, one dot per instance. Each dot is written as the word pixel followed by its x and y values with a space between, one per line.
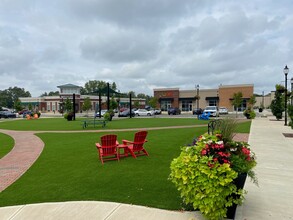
pixel 286 70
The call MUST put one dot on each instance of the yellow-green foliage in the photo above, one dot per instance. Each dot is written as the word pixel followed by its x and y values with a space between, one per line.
pixel 204 183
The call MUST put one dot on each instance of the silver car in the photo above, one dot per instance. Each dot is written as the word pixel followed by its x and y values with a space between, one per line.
pixel 213 110
pixel 223 111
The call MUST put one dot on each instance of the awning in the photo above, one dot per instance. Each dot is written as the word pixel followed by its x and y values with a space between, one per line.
pixel 166 99
pixel 32 103
pixel 212 98
pixel 187 99
pixel 242 99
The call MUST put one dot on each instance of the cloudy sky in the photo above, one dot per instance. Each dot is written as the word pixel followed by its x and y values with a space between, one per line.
pixel 145 44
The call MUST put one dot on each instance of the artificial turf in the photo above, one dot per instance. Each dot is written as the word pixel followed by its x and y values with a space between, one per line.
pixel 69 169
pixel 6 144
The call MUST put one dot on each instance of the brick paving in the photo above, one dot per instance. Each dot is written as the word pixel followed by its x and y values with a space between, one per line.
pixel 28 148
pixel 25 152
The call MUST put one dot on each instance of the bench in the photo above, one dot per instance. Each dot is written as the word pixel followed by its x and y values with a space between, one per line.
pixel 93 122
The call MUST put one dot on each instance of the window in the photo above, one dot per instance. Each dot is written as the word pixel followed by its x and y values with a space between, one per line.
pixel 48 106
pixel 165 105
pixel 186 105
pixel 212 102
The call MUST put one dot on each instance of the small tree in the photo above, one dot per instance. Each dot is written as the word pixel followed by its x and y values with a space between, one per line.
pixel 68 105
pixel 252 100
pixel 136 104
pixel 237 100
pixel 86 105
pixel 17 105
pixel 153 102
pixel 277 104
pixel 30 106
pixel 113 103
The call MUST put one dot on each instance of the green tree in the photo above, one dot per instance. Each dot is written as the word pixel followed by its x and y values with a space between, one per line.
pixel 237 101
pixel 252 100
pixel 277 104
pixel 17 105
pixel 132 94
pixel 52 93
pixel 44 94
pixel 30 106
pixel 86 106
pixel 94 85
pixel 9 96
pixel 68 105
pixel 153 102
pixel 56 93
pixel 113 103
pixel 136 104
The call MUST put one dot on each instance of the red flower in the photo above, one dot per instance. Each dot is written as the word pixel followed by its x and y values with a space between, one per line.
pixel 203 152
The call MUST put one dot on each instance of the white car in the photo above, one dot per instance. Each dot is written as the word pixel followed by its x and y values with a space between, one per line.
pixel 102 113
pixel 223 110
pixel 144 112
pixel 213 110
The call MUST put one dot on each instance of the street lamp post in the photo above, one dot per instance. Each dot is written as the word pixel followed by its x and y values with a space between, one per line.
pixel 197 96
pixel 286 71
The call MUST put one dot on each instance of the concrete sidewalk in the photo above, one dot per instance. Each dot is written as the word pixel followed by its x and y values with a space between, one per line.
pixel 273 198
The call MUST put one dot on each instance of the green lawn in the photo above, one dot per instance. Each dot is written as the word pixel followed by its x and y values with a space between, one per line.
pixel 60 124
pixel 69 169
pixel 6 144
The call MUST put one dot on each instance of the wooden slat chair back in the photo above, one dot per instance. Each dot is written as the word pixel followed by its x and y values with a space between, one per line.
pixel 108 148
pixel 136 147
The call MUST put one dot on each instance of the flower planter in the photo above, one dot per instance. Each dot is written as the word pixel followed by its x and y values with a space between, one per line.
pixel 239 182
pixel 69 118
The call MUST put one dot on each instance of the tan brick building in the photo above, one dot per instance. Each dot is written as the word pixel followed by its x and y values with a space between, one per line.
pixel 187 100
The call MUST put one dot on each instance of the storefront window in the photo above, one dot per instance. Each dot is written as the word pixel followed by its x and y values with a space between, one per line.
pixel 165 105
pixel 212 102
pixel 186 105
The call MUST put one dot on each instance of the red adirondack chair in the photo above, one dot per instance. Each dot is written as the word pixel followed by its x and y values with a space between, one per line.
pixel 135 148
pixel 108 148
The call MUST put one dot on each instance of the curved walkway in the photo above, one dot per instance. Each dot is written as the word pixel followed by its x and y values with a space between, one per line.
pixel 25 152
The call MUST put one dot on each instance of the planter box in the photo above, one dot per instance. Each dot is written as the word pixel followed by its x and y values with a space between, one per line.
pixel 239 182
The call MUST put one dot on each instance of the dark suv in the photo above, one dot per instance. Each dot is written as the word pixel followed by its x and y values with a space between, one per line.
pixel 174 111
pixel 197 111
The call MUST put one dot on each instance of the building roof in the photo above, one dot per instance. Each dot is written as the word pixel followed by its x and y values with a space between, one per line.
pixel 68 86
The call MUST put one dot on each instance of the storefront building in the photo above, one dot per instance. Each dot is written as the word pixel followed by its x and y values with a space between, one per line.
pixel 55 103
pixel 188 100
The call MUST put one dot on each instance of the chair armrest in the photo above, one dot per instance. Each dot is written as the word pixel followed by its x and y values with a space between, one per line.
pixel 126 142
pixel 98 145
pixel 117 143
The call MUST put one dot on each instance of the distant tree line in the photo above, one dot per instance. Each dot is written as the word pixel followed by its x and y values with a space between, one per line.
pixel 9 98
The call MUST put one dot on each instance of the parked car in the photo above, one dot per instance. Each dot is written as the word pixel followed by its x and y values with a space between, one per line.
pixel 223 110
pixel 197 111
pixel 126 113
pixel 7 114
pixel 102 113
pixel 174 111
pixel 158 111
pixel 22 111
pixel 144 112
pixel 213 110
pixel 26 113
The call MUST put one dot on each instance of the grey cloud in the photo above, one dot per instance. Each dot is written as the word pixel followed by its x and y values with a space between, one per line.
pixel 146 14
pixel 120 46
